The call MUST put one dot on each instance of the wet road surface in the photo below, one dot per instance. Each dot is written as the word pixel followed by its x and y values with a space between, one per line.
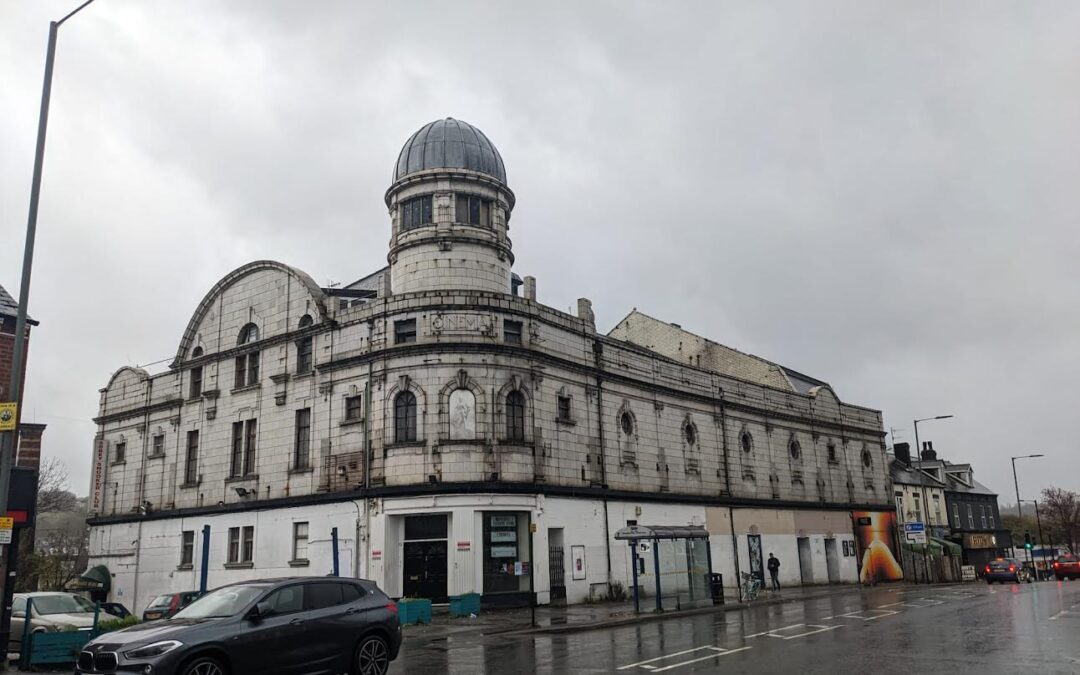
pixel 975 628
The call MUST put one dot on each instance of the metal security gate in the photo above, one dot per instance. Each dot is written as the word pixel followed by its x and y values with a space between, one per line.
pixel 557 572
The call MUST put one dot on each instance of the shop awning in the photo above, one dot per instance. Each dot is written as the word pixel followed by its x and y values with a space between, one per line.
pixel 636 532
pixel 949 546
pixel 96 578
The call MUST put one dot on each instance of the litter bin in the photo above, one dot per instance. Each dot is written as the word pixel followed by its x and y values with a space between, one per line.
pixel 716 588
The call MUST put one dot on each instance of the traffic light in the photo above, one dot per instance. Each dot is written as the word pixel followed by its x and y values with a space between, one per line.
pixel 1027 540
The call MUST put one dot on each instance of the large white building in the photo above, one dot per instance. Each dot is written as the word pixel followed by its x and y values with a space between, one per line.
pixel 459 435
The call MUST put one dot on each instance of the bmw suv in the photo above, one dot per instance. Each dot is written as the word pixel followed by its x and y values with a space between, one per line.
pixel 271 627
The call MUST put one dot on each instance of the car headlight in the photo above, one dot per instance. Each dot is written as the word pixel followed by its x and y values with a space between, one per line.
pixel 156 649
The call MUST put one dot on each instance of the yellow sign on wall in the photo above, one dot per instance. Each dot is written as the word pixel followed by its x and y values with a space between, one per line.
pixel 8 415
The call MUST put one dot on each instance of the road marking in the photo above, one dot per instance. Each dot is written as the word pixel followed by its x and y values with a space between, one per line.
pixel 794 625
pixel 817 629
pixel 883 613
pixel 717 652
pixel 1059 614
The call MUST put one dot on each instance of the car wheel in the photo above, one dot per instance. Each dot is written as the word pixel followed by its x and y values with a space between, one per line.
pixel 372 656
pixel 204 665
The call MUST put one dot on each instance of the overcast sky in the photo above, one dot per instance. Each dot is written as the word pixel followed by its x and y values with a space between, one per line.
pixel 882 195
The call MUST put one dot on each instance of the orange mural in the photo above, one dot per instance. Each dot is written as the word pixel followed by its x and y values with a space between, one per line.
pixel 874 530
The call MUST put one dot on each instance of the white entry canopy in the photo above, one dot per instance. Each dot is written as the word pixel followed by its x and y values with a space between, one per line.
pixel 635 532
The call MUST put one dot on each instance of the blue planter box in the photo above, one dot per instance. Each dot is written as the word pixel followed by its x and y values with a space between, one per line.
pixel 414 611
pixel 464 605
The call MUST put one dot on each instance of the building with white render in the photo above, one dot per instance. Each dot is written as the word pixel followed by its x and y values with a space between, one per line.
pixel 459 435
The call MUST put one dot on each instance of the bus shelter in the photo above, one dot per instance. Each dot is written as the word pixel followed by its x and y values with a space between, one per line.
pixel 677 556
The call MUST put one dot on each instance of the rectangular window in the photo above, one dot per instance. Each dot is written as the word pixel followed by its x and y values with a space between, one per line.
pixel 302 447
pixel 564 408
pixel 249 447
pixel 304 358
pixel 247 551
pixel 404 331
pixel 247 370
pixel 158 447
pixel 187 547
pixel 971 517
pixel 473 210
pixel 236 467
pixel 196 382
pixel 511 332
pixel 982 516
pixel 353 409
pixel 191 461
pixel 300 541
pixel 956 515
pixel 241 372
pixel 416 212
pixel 119 452
pixel 234 545
pixel 991 514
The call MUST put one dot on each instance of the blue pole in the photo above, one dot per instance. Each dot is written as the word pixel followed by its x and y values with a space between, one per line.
pixel 205 558
pixel 656 567
pixel 334 542
pixel 633 561
pixel 708 557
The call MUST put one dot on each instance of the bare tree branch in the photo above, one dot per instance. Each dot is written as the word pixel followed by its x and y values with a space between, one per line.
pixel 53 493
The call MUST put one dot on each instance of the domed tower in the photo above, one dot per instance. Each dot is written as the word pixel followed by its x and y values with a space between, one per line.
pixel 450 211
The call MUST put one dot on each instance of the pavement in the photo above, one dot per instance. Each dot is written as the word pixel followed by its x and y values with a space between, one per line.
pixel 971 628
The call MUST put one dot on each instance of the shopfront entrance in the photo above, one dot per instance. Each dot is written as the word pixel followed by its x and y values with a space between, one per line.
pixel 507 560
pixel 425 552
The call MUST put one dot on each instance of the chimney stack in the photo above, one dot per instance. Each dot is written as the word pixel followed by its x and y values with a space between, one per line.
pixel 928 454
pixel 585 313
pixel 530 288
pixel 903 453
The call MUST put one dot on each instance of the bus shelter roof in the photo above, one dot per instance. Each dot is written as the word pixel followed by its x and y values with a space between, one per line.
pixel 635 532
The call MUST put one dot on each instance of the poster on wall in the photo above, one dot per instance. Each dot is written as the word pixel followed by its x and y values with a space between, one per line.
pixel 874 538
pixel 577 562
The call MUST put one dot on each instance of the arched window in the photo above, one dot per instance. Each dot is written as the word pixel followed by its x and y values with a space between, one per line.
pixel 747 441
pixel 626 421
pixel 305 348
pixel 867 459
pixel 515 416
pixel 405 417
pixel 690 433
pixel 795 449
pixel 247 365
pixel 195 390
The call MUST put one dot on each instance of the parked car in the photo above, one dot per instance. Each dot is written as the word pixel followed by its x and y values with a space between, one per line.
pixel 313 625
pixel 164 606
pixel 1067 566
pixel 1006 569
pixel 51 612
pixel 115 609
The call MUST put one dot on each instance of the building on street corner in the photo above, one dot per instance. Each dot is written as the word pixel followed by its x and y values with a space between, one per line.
pixel 461 436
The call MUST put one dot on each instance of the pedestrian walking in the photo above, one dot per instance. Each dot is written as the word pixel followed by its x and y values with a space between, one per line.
pixel 774 571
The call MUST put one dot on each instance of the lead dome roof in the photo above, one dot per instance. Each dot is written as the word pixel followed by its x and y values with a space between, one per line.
pixel 449 144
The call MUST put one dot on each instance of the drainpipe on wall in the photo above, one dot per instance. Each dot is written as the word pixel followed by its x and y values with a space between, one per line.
pixel 598 352
pixel 735 552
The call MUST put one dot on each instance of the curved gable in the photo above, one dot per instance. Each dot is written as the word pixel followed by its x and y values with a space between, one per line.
pixel 237 283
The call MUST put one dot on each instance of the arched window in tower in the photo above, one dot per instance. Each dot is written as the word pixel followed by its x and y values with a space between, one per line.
pixel 405 417
pixel 515 416
pixel 247 364
pixel 305 348
pixel 416 212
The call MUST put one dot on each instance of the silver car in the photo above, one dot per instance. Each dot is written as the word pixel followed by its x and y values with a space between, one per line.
pixel 52 612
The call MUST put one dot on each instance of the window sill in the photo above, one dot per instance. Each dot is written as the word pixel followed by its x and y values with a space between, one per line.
pixel 184 567
pixel 299 563
pixel 304 375
pixel 567 422
pixel 294 472
pixel 246 387
pixel 242 479
pixel 119 462
pixel 160 455
pixel 521 443
pixel 351 422
pixel 194 399
pixel 239 565
pixel 405 444
pixel 184 486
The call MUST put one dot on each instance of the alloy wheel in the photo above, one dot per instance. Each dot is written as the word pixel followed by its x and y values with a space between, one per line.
pixel 373 657
pixel 205 668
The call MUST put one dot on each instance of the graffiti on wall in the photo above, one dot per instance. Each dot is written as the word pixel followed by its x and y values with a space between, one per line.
pixel 874 531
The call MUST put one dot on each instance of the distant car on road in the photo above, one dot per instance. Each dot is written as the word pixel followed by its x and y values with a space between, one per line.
pixel 164 606
pixel 1006 569
pixel 314 625
pixel 115 609
pixel 51 612
pixel 1067 566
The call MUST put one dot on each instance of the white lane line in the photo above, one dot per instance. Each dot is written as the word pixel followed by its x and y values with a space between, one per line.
pixel 818 629
pixel 666 656
pixel 794 625
pixel 884 613
pixel 725 652
pixel 1059 614
pixel 826 618
pixel 891 604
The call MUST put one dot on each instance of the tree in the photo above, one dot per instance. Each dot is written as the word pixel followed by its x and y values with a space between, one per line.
pixel 53 494
pixel 1018 526
pixel 60 551
pixel 1060 511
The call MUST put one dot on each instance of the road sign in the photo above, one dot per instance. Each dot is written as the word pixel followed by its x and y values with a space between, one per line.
pixel 915 533
pixel 8 415
pixel 5 530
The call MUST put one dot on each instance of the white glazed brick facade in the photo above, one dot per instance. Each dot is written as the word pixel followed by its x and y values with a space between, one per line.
pixel 579 478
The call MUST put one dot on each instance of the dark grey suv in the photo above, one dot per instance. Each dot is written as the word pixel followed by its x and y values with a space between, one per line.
pixel 271 627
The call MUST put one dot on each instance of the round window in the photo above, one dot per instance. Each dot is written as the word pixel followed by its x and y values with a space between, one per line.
pixel 627 422
pixel 867 458
pixel 794 449
pixel 690 434
pixel 747 442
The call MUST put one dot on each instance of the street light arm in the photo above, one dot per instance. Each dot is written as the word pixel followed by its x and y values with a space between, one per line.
pixel 74 12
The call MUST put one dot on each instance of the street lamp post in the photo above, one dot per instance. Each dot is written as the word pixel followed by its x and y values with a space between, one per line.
pixel 1019 509
pixel 1042 543
pixel 7 439
pixel 926 503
